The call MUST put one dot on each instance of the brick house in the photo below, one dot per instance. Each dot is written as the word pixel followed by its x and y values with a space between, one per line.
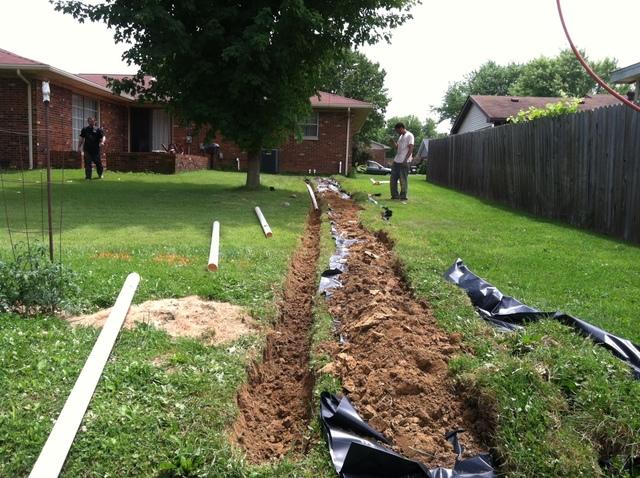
pixel 137 133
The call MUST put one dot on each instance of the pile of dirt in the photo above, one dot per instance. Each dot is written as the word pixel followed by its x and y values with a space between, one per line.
pixel 275 403
pixel 213 322
pixel 393 364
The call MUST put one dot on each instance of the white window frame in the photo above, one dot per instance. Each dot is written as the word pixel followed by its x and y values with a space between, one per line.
pixel 309 122
pixel 84 111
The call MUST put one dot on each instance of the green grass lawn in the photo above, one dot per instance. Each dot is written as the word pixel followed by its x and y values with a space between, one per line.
pixel 557 403
pixel 160 400
pixel 547 265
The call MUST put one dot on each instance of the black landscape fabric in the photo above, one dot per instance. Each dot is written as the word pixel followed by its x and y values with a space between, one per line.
pixel 356 453
pixel 508 313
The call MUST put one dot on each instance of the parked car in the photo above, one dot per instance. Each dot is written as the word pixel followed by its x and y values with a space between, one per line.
pixel 374 167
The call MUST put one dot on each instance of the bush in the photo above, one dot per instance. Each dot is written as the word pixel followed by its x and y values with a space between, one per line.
pixel 32 284
pixel 563 107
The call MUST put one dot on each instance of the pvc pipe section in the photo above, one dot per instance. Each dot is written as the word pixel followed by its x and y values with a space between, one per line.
pixel 57 446
pixel 214 251
pixel 263 223
pixel 313 197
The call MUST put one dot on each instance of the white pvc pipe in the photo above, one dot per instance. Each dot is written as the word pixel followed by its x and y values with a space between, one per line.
pixel 313 197
pixel 340 167
pixel 57 446
pixel 214 252
pixel 238 163
pixel 263 223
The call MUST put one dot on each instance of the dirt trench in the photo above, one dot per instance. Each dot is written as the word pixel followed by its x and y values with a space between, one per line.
pixel 394 362
pixel 275 403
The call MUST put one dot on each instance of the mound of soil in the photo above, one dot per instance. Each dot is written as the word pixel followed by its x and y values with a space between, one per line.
pixel 393 364
pixel 275 403
pixel 213 322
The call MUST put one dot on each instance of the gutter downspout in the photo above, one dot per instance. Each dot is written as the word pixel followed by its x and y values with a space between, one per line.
pixel 29 116
pixel 346 158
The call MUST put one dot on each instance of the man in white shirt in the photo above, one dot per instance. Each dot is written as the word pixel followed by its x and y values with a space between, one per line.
pixel 400 168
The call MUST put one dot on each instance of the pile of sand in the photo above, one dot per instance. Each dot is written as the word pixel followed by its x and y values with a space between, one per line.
pixel 213 322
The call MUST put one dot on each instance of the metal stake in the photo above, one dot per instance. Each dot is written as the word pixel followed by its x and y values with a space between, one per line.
pixel 46 95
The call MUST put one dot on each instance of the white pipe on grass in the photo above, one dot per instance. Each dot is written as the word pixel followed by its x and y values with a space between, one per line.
pixel 57 446
pixel 313 197
pixel 263 223
pixel 214 252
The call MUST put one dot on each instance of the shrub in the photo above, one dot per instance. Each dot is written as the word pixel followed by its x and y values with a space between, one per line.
pixel 32 284
pixel 563 107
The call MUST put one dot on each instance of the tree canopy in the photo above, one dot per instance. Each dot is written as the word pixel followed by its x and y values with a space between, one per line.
pixel 247 69
pixel 561 75
pixel 420 130
pixel 353 75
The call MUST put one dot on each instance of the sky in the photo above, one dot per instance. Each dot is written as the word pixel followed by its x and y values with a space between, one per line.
pixel 445 40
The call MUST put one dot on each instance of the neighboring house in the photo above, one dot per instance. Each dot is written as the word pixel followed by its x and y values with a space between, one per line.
pixel 378 152
pixel 136 132
pixel 629 74
pixel 423 150
pixel 481 111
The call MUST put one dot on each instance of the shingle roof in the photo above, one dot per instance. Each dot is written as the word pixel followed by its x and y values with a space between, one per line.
pixel 330 100
pixel 9 58
pixel 498 108
pixel 99 78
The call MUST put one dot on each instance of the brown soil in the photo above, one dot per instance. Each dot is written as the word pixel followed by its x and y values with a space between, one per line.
pixel 213 322
pixel 172 259
pixel 120 256
pixel 393 365
pixel 275 404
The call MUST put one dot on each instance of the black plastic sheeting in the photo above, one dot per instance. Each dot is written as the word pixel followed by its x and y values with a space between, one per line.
pixel 356 452
pixel 508 314
pixel 337 263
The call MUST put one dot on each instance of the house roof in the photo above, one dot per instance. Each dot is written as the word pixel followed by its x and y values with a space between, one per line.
pixel 629 74
pixel 96 84
pixel 9 58
pixel 499 108
pixel 101 78
pixel 330 100
pixel 376 145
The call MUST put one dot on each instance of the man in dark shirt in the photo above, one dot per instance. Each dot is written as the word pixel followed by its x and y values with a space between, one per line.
pixel 91 138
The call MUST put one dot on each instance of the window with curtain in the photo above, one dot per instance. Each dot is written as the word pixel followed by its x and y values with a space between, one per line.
pixel 310 126
pixel 82 108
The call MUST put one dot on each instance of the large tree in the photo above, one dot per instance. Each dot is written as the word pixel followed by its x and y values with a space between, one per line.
pixel 489 79
pixel 245 68
pixel 353 75
pixel 542 76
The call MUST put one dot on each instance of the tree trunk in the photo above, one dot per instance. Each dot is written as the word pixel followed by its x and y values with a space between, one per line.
pixel 253 169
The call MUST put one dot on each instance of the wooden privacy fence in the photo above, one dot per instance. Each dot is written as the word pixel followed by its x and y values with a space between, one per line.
pixel 583 169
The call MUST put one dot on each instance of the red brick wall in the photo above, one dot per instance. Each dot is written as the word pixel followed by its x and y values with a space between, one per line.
pixel 114 120
pixel 14 142
pixel 60 127
pixel 187 162
pixel 163 163
pixel 324 154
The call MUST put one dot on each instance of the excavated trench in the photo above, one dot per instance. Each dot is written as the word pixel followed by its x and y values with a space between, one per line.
pixel 275 403
pixel 392 362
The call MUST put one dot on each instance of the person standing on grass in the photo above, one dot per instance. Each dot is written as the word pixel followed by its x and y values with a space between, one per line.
pixel 91 139
pixel 400 168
